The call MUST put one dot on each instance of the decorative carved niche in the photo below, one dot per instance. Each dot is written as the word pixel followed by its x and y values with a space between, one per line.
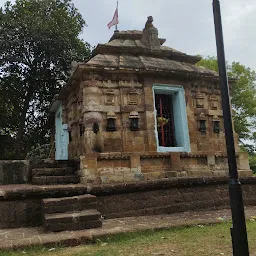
pixel 111 121
pixel 110 97
pixel 134 117
pixel 202 123
pixel 133 97
pixel 216 124
pixel 213 102
pixel 199 100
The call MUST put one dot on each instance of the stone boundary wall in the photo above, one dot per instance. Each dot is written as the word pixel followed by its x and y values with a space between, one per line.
pixel 21 205
pixel 14 171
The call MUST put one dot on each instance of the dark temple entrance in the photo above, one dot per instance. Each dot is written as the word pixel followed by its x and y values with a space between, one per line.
pixel 165 124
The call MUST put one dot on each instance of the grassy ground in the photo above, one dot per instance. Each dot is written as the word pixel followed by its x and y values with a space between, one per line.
pixel 192 241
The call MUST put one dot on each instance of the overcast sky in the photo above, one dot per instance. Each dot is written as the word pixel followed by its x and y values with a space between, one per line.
pixel 186 24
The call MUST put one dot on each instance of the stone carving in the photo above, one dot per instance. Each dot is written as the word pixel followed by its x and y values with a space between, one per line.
pixel 199 100
pixel 201 116
pixel 213 102
pixel 202 122
pixel 215 118
pixel 149 23
pixel 110 97
pixel 133 97
pixel 134 117
pixel 150 35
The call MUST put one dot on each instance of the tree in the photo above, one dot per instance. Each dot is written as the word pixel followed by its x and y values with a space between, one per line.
pixel 38 42
pixel 243 94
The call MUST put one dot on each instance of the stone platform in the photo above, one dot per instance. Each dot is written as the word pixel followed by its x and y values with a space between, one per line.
pixel 21 205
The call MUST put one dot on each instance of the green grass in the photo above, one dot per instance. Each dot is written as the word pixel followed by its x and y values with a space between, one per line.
pixel 191 241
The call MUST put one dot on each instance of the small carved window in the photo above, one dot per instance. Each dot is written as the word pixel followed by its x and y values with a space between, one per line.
pixel 111 121
pixel 134 117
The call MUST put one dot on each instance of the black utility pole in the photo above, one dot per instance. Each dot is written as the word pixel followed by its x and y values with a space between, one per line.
pixel 238 231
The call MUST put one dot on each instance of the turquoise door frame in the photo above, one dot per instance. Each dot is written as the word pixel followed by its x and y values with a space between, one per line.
pixel 180 117
pixel 61 136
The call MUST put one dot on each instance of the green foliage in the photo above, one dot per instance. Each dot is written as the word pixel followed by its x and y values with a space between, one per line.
pixel 252 162
pixel 243 93
pixel 210 62
pixel 39 152
pixel 38 42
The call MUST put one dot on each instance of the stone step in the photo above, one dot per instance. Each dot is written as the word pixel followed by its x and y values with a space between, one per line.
pixel 50 180
pixel 69 204
pixel 62 171
pixel 56 164
pixel 57 227
pixel 72 221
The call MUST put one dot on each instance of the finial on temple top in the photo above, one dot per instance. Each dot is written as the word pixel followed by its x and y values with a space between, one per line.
pixel 149 22
pixel 150 35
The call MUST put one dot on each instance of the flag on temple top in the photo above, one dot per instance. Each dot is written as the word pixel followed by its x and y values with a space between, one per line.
pixel 115 20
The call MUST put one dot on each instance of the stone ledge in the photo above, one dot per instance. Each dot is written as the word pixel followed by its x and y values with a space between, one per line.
pixel 34 191
pixel 156 185
pixel 100 190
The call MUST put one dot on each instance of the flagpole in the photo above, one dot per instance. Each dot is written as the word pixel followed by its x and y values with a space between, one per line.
pixel 117 12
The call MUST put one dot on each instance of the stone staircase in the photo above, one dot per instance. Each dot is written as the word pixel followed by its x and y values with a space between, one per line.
pixel 71 213
pixel 56 172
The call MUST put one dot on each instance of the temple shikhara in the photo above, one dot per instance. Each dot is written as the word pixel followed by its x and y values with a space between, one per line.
pixel 139 110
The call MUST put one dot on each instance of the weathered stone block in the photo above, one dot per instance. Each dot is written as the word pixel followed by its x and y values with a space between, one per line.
pixel 135 160
pixel 154 175
pixel 220 173
pixel 182 174
pixel 119 177
pixel 113 144
pixel 14 171
pixel 211 159
pixel 90 179
pixel 20 213
pixel 188 161
pixel 243 162
pixel 107 175
pixel 171 174
pixel 244 173
pixel 125 163
pixel 137 175
pixel 175 161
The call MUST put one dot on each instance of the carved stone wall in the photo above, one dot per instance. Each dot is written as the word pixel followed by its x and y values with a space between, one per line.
pixel 72 115
pixel 110 151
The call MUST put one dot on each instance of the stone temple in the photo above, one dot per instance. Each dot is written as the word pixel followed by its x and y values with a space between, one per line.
pixel 138 111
